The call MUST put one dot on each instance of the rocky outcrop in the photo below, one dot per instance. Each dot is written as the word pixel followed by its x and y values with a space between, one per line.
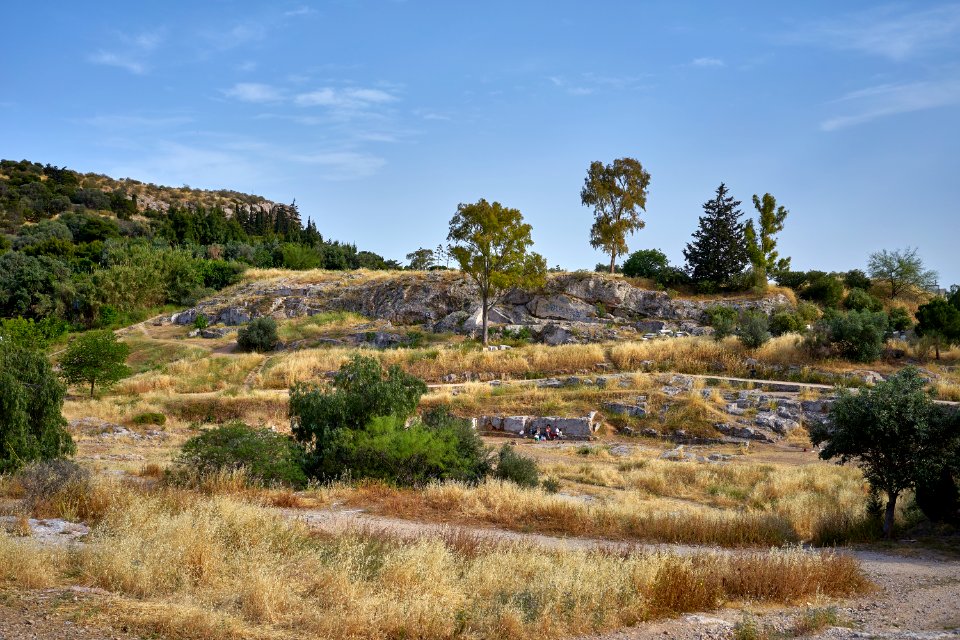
pixel 576 307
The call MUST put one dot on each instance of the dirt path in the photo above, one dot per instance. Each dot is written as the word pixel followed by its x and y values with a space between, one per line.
pixel 918 594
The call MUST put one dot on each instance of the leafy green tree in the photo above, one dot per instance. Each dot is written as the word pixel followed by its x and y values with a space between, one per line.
pixel 855 335
pixel 491 244
pixel 823 288
pixel 421 259
pixel 95 357
pixel 939 322
pixel 266 456
pixel 361 391
pixel 617 192
pixel 761 243
pixel 718 251
pixel 860 300
pixel 857 279
pixel 645 263
pixel 260 334
pixel 723 320
pixel 783 322
pixel 900 319
pixel 901 270
pixel 31 334
pixel 892 431
pixel 32 426
pixel 754 329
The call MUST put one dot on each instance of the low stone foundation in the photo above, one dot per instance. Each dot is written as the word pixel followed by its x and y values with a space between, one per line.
pixel 525 426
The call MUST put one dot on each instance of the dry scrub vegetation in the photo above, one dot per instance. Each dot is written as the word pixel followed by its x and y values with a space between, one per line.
pixel 188 565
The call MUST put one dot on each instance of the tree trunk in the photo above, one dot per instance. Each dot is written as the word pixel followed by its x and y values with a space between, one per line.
pixel 483 315
pixel 888 516
pixel 936 349
pixel 92 382
pixel 613 262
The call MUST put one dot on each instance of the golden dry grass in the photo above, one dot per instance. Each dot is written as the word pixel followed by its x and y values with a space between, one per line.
pixel 189 566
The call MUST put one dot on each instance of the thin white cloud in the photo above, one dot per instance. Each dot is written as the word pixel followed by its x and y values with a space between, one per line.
pixel 351 98
pixel 342 165
pixel 118 60
pixel 299 11
pixel 254 92
pixel 886 100
pixel 133 56
pixel 118 121
pixel 707 62
pixel 897 32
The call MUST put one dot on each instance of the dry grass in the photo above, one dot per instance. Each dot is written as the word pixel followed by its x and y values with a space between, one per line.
pixel 432 364
pixel 645 498
pixel 188 566
pixel 194 375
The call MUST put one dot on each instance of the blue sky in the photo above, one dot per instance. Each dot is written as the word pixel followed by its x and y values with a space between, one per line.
pixel 380 116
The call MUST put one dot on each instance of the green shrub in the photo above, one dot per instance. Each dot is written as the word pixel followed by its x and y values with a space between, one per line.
pixel 258 335
pixel 550 485
pixel 857 279
pixel 723 320
pixel 754 329
pixel 150 418
pixel 900 319
pixel 860 300
pixel 808 312
pixel 855 335
pixel 783 322
pixel 822 288
pixel 516 468
pixel 645 263
pixel 792 279
pixel 268 457
pixel 357 429
pixel 200 322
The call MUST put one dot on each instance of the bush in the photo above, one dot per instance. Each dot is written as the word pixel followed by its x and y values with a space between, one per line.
pixel 473 457
pixel 645 263
pixel 201 322
pixel 516 468
pixel 32 426
pixel 41 481
pixel 783 322
pixel 857 279
pixel 754 329
pixel 723 320
pixel 150 418
pixel 672 277
pixel 268 457
pixel 856 335
pixel 808 312
pixel 259 335
pixel 860 300
pixel 791 279
pixel 822 288
pixel 900 319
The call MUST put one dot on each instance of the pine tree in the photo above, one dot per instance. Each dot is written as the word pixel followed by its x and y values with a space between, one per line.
pixel 718 251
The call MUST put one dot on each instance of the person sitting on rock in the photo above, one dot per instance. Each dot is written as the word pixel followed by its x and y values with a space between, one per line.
pixel 558 434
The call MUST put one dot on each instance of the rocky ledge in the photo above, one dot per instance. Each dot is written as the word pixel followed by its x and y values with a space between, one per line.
pixel 575 307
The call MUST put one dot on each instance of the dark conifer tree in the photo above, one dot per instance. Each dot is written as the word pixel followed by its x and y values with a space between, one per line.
pixel 718 251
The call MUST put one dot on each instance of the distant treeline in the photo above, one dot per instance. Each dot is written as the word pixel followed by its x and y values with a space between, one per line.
pixel 90 257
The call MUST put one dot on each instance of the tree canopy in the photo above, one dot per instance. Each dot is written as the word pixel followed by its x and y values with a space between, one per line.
pixel 491 244
pixel 617 192
pixel 939 322
pixel 892 431
pixel 761 241
pixel 901 270
pixel 95 357
pixel 32 426
pixel 718 251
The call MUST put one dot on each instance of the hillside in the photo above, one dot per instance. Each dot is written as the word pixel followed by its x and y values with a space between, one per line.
pixel 30 191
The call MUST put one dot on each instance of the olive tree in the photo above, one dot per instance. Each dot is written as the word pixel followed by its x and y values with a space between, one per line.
pixel 491 244
pixel 893 431
pixel 617 192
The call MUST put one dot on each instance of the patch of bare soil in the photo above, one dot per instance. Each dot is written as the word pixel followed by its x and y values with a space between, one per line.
pixel 55 614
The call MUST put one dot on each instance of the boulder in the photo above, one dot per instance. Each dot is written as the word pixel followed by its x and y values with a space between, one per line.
pixel 624 409
pixel 577 428
pixel 561 307
pixel 554 335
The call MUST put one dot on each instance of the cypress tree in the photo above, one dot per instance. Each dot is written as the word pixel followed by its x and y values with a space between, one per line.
pixel 718 251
